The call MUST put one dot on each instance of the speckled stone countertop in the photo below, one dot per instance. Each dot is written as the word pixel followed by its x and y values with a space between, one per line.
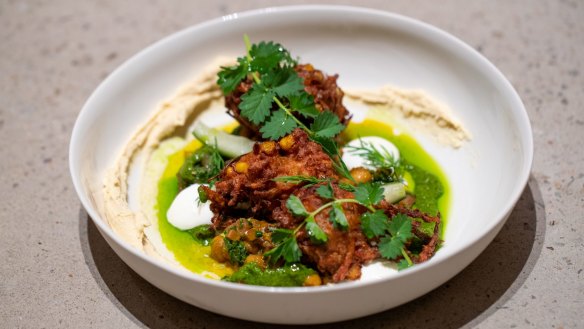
pixel 58 272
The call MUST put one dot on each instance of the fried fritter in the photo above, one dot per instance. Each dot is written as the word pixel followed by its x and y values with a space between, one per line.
pixel 245 187
pixel 327 97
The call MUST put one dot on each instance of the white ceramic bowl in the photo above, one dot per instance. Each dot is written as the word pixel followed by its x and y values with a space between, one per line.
pixel 368 48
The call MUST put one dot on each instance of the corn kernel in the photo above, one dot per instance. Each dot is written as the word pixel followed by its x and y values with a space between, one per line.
pixel 241 167
pixel 229 171
pixel 287 142
pixel 312 280
pixel 268 147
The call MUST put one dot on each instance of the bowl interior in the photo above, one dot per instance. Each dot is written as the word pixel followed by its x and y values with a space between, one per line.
pixel 367 49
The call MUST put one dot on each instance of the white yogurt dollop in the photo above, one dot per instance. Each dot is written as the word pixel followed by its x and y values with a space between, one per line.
pixel 381 144
pixel 186 211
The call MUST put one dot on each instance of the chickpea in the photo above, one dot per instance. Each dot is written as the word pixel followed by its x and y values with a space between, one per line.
pixel 361 175
pixel 219 250
pixel 287 142
pixel 251 235
pixel 233 235
pixel 354 273
pixel 268 147
pixel 312 280
pixel 258 259
pixel 241 167
pixel 252 249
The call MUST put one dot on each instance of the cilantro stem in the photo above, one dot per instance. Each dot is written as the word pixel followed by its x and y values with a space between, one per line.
pixel 329 204
pixel 355 201
pixel 283 107
pixel 300 226
pixel 247 42
pixel 406 257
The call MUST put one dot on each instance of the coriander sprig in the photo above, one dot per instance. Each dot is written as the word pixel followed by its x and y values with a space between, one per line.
pixel 393 238
pixel 391 233
pixel 276 82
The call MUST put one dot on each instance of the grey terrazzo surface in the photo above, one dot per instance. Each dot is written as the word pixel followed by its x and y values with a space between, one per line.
pixel 58 272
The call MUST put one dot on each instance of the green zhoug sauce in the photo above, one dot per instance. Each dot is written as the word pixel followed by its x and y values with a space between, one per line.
pixel 429 186
pixel 286 276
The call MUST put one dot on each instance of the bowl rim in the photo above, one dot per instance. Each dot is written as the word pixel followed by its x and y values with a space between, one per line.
pixel 404 21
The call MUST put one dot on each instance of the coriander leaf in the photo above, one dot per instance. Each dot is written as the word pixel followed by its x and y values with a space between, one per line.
pixel 294 204
pixel 326 124
pixel 288 250
pixel 328 145
pixel 267 55
pixel 280 234
pixel 338 218
pixel 400 227
pixel 274 254
pixel 374 224
pixel 230 76
pixel 390 247
pixel 402 265
pixel 278 125
pixel 284 82
pixel 369 193
pixel 303 103
pixel 315 233
pixel 256 103
pixel 325 191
